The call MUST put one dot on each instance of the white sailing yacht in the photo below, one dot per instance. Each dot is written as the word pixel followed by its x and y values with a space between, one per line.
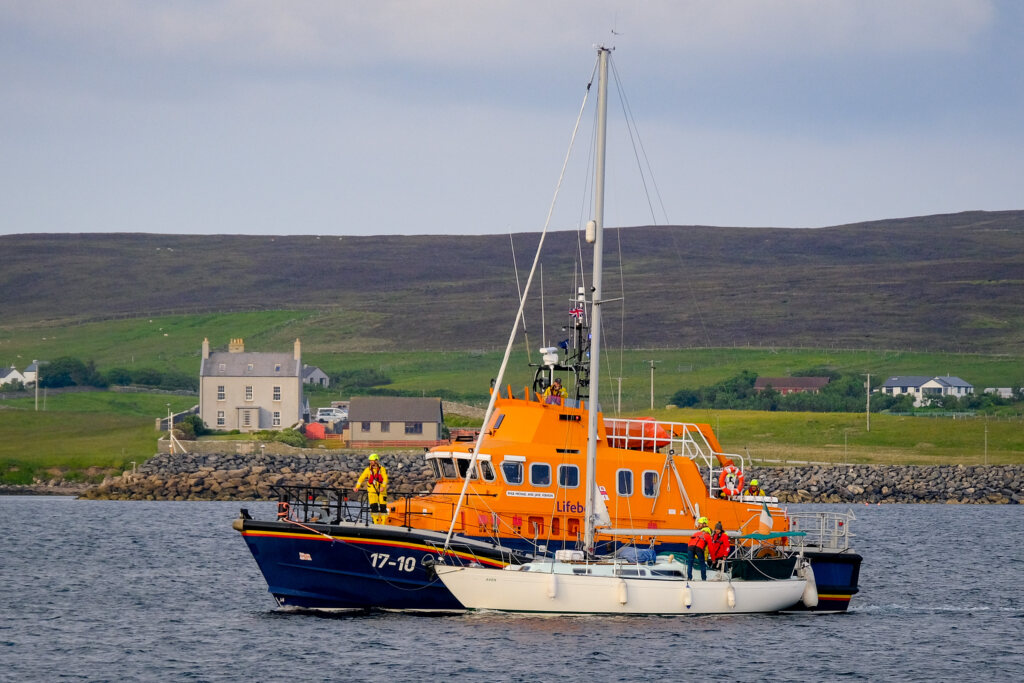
pixel 576 583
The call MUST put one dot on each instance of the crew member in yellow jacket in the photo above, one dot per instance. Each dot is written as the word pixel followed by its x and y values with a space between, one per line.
pixel 376 478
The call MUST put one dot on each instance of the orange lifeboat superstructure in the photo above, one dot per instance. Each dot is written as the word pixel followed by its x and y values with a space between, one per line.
pixel 528 483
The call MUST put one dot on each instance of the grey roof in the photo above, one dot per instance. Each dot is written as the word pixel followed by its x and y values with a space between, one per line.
pixel 6 372
pixel 950 381
pixel 906 381
pixel 237 365
pixel 33 366
pixel 308 370
pixel 394 409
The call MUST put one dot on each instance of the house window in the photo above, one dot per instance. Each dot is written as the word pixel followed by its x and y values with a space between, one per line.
pixel 248 368
pixel 221 394
pixel 220 367
pixel 277 367
pixel 277 393
pixel 650 483
pixel 569 476
pixel 246 420
pixel 277 418
pixel 220 418
pixel 413 427
pixel 365 426
pixel 624 481
pixel 248 393
pixel 385 426
pixel 540 474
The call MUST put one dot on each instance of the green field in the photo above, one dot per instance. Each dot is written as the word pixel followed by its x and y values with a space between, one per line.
pixel 328 340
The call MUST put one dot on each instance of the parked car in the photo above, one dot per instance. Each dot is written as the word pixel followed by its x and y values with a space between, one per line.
pixel 331 414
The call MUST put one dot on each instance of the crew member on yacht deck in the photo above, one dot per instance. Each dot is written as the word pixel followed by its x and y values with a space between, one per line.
pixel 718 548
pixel 698 544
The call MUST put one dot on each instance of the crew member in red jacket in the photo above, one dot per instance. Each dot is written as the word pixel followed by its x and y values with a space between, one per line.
pixel 719 547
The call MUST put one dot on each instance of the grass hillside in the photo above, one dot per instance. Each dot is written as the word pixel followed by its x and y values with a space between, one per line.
pixel 950 282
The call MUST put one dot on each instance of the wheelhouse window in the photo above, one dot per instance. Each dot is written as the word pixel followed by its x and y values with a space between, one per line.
pixel 447 468
pixel 569 476
pixel 650 483
pixel 512 471
pixel 487 471
pixel 221 394
pixel 540 474
pixel 624 482
pixel 413 427
pixel 277 393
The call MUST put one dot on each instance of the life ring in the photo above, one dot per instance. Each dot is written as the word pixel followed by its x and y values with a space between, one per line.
pixel 282 509
pixel 730 480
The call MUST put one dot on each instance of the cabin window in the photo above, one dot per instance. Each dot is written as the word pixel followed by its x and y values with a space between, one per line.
pixel 540 474
pixel 435 468
pixel 624 479
pixel 463 465
pixel 569 476
pixel 277 393
pixel 512 471
pixel 447 468
pixel 487 471
pixel 536 526
pixel 221 394
pixel 498 419
pixel 650 483
pixel 574 527
pixel 556 526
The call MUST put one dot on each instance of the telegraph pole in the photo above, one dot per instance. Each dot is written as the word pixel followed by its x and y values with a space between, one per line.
pixel 867 411
pixel 652 362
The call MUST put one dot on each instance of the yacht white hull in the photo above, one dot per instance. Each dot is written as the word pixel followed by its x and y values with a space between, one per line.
pixel 480 588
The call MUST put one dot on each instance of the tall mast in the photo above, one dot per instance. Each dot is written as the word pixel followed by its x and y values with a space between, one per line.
pixel 594 235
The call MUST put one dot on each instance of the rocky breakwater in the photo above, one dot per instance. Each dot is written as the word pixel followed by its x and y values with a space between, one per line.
pixel 225 476
pixel 991 484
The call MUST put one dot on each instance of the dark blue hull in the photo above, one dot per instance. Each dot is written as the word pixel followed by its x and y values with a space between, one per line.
pixel 360 567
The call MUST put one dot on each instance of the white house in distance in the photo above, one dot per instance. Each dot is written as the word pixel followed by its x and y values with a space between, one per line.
pixel 311 374
pixel 250 391
pixel 31 372
pixel 10 376
pixel 922 388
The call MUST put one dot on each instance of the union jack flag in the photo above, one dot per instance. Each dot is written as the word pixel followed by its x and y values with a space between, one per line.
pixel 576 312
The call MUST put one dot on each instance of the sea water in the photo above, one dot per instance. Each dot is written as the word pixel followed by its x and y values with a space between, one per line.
pixel 112 590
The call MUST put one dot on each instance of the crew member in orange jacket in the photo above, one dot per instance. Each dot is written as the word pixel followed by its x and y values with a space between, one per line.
pixel 718 548
pixel 698 545
pixel 376 478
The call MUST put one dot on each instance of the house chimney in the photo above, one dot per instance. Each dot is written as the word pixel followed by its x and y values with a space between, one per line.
pixel 298 349
pixel 206 348
pixel 236 346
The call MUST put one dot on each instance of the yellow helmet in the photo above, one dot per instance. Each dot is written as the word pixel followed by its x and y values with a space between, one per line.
pixel 373 456
pixel 703 521
pixel 755 482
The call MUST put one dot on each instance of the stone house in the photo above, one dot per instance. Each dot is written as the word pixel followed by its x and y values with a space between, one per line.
pixel 311 374
pixel 250 391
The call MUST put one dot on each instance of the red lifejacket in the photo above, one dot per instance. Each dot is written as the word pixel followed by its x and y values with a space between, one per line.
pixel 719 547
pixel 375 477
pixel 700 539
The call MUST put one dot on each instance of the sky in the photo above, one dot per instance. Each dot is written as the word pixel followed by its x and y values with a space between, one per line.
pixel 372 117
